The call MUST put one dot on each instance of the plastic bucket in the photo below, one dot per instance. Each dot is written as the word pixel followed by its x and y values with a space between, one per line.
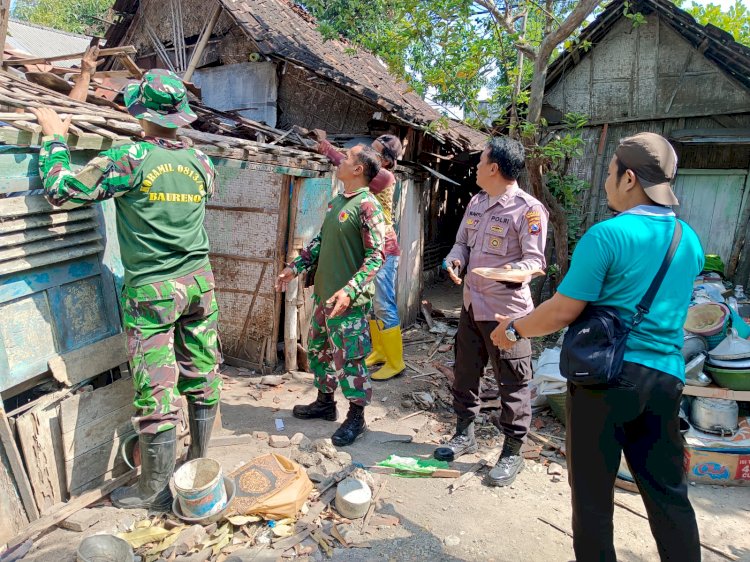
pixel 200 489
pixel 130 452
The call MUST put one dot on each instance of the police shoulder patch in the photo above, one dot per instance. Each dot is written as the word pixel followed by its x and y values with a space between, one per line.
pixel 534 221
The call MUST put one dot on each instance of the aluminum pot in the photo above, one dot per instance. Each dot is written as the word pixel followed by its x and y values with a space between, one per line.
pixel 693 345
pixel 715 415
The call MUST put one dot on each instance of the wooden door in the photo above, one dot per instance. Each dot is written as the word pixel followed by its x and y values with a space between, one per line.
pixel 712 201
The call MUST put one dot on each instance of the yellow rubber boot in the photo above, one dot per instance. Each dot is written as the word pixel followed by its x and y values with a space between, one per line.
pixel 393 346
pixel 377 355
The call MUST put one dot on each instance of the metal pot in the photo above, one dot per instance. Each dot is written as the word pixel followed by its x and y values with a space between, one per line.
pixel 693 345
pixel 715 415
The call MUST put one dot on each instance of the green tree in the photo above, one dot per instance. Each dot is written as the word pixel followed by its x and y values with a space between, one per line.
pixel 86 17
pixel 452 49
pixel 736 20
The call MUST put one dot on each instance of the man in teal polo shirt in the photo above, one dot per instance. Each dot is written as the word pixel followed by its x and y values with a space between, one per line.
pixel 613 265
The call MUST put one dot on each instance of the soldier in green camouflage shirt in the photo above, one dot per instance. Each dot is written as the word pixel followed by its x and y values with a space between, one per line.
pixel 348 253
pixel 170 314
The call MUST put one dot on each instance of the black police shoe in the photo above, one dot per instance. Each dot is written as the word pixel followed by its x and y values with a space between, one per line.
pixel 462 443
pixel 508 465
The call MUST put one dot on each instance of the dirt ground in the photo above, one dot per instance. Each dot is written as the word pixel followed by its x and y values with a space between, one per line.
pixel 476 522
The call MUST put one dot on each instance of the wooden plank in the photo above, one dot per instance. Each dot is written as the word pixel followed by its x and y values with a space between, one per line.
pixel 84 141
pixel 68 509
pixel 90 469
pixel 41 441
pixel 103 430
pixel 12 513
pixel 51 220
pixel 13 207
pixel 40 260
pixel 107 52
pixel 82 409
pixel 713 391
pixel 48 245
pixel 34 235
pixel 75 366
pixel 16 466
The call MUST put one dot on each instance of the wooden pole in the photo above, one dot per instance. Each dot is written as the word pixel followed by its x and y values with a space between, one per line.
pixel 4 18
pixel 291 312
pixel 202 42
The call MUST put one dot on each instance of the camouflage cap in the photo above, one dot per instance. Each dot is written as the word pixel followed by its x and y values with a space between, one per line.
pixel 161 98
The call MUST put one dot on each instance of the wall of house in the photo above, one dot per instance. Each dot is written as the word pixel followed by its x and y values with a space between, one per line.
pixel 714 200
pixel 308 101
pixel 645 72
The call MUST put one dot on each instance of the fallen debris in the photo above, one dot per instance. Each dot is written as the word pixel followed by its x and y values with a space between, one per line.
pixel 353 498
pixel 279 441
pixel 81 520
pixel 554 526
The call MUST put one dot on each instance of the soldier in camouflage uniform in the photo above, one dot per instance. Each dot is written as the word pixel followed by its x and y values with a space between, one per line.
pixel 170 314
pixel 348 253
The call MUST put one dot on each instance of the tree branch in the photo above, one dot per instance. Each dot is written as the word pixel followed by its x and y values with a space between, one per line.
pixel 507 22
pixel 567 27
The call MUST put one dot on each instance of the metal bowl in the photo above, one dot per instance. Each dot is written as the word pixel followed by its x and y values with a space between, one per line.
pixel 104 548
pixel 207 520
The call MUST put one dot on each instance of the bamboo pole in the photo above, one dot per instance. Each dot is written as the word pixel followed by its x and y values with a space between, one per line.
pixel 202 42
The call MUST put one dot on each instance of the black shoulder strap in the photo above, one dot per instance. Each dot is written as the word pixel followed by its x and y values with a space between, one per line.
pixel 645 305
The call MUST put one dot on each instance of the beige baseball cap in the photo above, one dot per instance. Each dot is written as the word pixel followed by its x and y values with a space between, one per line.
pixel 654 162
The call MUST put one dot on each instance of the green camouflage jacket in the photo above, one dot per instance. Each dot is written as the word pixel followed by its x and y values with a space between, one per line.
pixel 108 175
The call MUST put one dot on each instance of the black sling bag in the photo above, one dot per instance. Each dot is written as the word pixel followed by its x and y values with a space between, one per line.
pixel 594 345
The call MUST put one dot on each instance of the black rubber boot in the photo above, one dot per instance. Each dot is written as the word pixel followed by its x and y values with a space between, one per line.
pixel 324 407
pixel 353 427
pixel 158 456
pixel 201 421
pixel 508 465
pixel 462 443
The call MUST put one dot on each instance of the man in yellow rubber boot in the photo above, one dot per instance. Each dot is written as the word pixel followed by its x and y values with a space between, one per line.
pixel 385 327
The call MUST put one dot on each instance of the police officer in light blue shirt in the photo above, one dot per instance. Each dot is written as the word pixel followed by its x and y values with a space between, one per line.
pixel 613 265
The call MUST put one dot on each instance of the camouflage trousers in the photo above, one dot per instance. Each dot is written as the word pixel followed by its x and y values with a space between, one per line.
pixel 337 348
pixel 172 329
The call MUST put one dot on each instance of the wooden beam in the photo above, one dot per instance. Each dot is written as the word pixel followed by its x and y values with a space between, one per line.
pixel 132 67
pixel 16 466
pixel 4 18
pixel 78 365
pixel 114 51
pixel 68 509
pixel 200 47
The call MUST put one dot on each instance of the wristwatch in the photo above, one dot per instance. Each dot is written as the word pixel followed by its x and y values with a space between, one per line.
pixel 511 333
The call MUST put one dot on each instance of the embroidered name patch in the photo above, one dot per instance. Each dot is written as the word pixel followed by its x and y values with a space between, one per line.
pixel 534 220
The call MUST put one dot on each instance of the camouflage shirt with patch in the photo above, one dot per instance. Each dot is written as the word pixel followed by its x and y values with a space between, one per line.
pixel 349 248
pixel 160 188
